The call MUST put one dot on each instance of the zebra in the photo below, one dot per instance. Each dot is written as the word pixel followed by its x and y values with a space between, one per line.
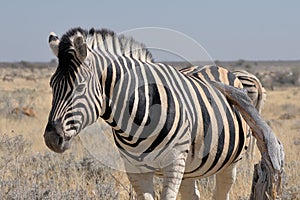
pixel 255 90
pixel 164 122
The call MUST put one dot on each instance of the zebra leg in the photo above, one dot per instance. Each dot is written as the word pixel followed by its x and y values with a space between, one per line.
pixel 143 185
pixel 224 180
pixel 172 176
pixel 189 189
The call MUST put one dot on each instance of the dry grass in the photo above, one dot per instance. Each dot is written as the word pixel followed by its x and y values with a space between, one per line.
pixel 28 170
pixel 28 175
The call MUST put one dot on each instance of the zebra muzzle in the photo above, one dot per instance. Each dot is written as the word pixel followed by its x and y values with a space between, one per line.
pixel 55 139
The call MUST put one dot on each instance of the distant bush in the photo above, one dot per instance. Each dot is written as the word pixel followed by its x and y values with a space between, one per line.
pixel 296 75
pixel 286 77
pixel 240 62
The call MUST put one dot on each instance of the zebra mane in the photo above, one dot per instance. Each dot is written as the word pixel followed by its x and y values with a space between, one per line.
pixel 107 41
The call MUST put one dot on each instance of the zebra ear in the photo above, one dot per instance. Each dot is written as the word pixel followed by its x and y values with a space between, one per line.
pixel 54 43
pixel 80 47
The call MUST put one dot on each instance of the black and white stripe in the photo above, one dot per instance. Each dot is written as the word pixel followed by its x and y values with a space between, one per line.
pixel 246 80
pixel 255 90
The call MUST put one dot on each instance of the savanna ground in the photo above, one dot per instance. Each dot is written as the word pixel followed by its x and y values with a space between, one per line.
pixel 28 170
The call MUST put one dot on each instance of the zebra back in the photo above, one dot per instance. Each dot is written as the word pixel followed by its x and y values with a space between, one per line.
pixel 238 78
pixel 213 73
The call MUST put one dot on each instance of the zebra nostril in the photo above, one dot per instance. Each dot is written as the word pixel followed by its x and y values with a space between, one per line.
pixel 60 140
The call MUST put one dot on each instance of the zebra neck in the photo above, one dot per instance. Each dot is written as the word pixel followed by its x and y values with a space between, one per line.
pixel 120 79
pixel 109 72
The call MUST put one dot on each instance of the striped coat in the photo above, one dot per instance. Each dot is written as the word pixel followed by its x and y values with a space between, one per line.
pixel 164 121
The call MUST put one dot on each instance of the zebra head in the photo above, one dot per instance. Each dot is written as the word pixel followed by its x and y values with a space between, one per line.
pixel 76 93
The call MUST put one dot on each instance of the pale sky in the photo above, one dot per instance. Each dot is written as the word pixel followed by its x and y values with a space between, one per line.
pixel 227 30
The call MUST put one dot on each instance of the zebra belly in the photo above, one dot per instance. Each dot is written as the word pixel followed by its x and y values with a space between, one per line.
pixel 137 159
pixel 201 167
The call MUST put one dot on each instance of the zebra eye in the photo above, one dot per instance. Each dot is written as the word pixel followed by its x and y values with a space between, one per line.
pixel 80 88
